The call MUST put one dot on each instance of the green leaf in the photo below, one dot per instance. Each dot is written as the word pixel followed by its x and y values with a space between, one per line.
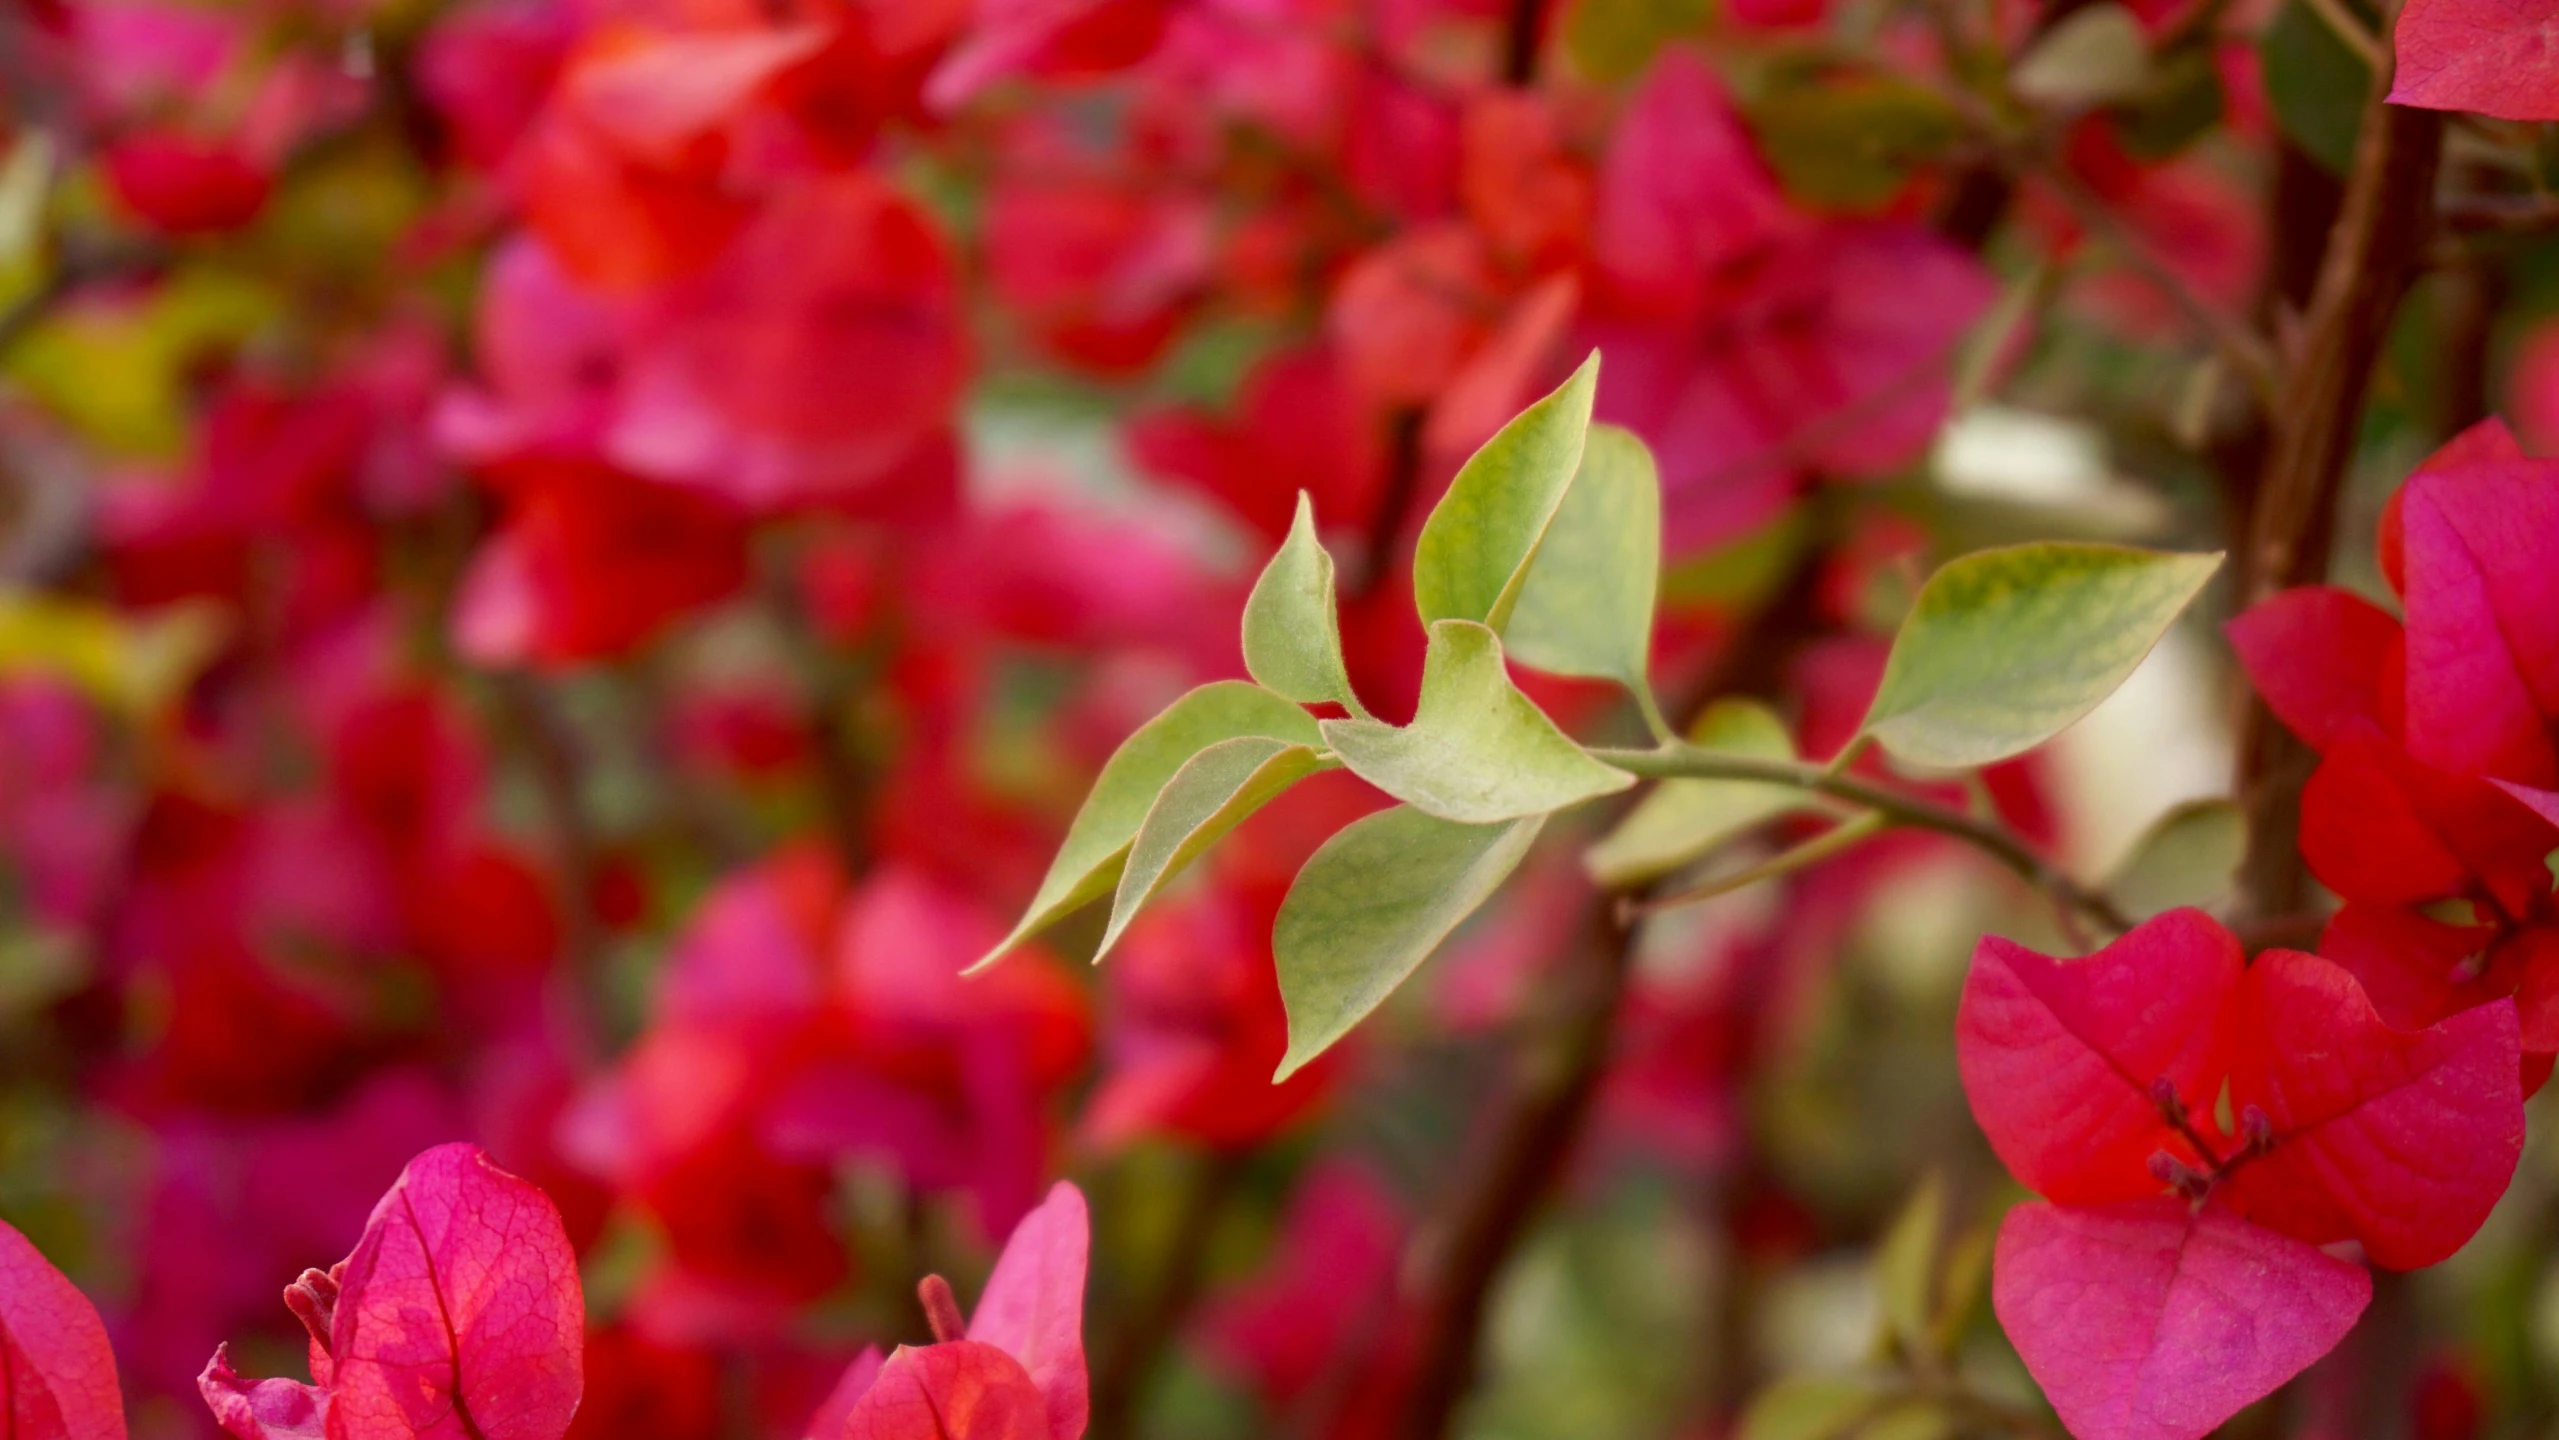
pixel 1292 628
pixel 1587 608
pixel 2315 83
pixel 1849 140
pixel 1211 794
pixel 1906 1268
pixel 2007 647
pixel 1089 863
pixel 1474 550
pixel 2189 856
pixel 1370 906
pixel 2096 57
pixel 1682 821
pixel 1613 40
pixel 1478 751
pixel 1812 1407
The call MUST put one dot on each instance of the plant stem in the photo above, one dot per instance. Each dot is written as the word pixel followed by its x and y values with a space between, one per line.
pixel 1546 1117
pixel 1690 762
pixel 2373 252
pixel 1843 836
pixel 1120 1381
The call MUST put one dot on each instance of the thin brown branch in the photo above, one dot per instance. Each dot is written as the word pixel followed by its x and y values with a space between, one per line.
pixel 1119 1382
pixel 2373 253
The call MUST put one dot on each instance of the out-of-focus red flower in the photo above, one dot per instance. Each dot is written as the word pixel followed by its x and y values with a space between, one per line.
pixel 182 185
pixel 486 68
pixel 638 1389
pixel 1322 1323
pixel 1751 345
pixel 590 563
pixel 1295 425
pixel 1195 1028
pixel 1101 273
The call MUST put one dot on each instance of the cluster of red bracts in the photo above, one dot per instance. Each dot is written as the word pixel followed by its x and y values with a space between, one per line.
pixel 460 1316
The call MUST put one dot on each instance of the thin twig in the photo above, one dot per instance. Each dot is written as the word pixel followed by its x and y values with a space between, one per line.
pixel 2349 30
pixel 1690 762
pixel 1119 1382
pixel 2372 254
pixel 1843 836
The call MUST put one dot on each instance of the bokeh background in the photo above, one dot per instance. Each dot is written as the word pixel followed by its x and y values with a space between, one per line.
pixel 567 563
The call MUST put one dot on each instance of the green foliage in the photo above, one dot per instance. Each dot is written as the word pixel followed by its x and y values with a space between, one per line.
pixel 2189 856
pixel 1614 40
pixel 120 376
pixel 1587 608
pixel 1478 751
pixel 2006 648
pixel 1090 862
pixel 2095 57
pixel 1682 821
pixel 1836 1407
pixel 2315 83
pixel 1211 794
pixel 1292 630
pixel 1906 1269
pixel 1474 551
pixel 1849 141
pixel 1370 906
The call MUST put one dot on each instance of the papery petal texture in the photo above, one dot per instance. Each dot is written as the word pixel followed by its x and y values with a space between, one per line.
pixel 1033 1308
pixel 2155 1320
pixel 61 1377
pixel 2402 1140
pixel 2059 1056
pixel 960 1391
pixel 459 1315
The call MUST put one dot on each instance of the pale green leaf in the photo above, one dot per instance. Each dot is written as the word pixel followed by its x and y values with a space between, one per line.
pixel 2097 56
pixel 1213 793
pixel 2006 648
pixel 25 178
pixel 1477 751
pixel 1587 607
pixel 1812 1407
pixel 1682 821
pixel 2189 856
pixel 1292 628
pixel 1474 550
pixel 1370 906
pixel 1906 1268
pixel 1088 864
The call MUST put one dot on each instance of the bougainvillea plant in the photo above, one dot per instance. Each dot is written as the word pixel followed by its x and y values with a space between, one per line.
pixel 1501 591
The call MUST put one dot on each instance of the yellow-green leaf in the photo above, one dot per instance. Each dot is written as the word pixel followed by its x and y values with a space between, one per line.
pixel 1478 751
pixel 1089 863
pixel 1474 550
pixel 1370 906
pixel 1682 821
pixel 1906 1268
pixel 2006 648
pixel 1813 1407
pixel 2189 856
pixel 1211 794
pixel 1292 626
pixel 134 665
pixel 1587 608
